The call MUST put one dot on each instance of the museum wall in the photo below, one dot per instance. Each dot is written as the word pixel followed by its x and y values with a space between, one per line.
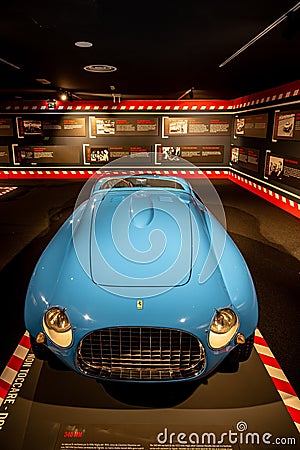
pixel 53 139
pixel 266 145
pixel 259 141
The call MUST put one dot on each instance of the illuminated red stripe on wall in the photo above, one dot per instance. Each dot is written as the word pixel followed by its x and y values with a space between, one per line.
pixel 264 193
pixel 285 91
pixel 267 194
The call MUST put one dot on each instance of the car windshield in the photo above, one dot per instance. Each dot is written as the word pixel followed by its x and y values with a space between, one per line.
pixel 140 182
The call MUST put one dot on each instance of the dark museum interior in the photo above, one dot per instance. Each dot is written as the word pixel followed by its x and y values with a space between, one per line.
pixel 185 109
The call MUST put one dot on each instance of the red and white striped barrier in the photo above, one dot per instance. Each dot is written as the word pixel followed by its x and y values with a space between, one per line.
pixel 6 189
pixel 13 366
pixel 85 174
pixel 285 390
pixel 276 199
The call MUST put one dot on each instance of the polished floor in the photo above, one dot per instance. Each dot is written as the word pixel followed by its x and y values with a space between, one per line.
pixel 268 237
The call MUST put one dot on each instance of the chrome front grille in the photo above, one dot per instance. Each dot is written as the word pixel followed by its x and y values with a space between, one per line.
pixel 140 353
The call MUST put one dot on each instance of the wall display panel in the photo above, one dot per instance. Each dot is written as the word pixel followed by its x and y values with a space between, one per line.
pixel 196 126
pixel 123 126
pixel 103 154
pixel 4 155
pixel 50 154
pixel 284 169
pixel 251 126
pixel 193 153
pixel 248 158
pixel 60 126
pixel 286 125
pixel 6 127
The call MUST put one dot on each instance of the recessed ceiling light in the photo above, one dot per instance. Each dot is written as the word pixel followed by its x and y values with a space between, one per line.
pixel 85 44
pixel 102 68
pixel 43 80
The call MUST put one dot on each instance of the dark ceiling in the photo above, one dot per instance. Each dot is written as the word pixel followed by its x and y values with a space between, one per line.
pixel 160 49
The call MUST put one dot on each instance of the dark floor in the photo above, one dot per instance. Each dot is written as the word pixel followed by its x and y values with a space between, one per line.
pixel 268 238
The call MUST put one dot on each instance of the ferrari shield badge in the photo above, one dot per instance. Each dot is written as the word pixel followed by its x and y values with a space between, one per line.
pixel 139 304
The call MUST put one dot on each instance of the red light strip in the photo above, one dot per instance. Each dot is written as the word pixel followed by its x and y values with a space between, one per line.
pixel 286 91
pixel 287 205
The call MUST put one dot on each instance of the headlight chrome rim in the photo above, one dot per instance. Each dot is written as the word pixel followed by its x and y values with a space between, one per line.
pixel 223 321
pixel 223 328
pixel 57 320
pixel 57 326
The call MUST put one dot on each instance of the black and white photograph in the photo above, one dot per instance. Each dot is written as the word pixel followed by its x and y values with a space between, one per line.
pixel 240 126
pixel 32 126
pixel 275 169
pixel 105 126
pixel 235 155
pixel 171 153
pixel 178 126
pixel 286 124
pixel 99 155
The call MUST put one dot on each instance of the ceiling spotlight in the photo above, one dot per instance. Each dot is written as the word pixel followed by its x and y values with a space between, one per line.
pixel 43 81
pixel 100 68
pixel 83 44
pixel 64 95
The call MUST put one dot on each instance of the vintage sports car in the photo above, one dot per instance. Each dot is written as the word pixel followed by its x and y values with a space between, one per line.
pixel 142 283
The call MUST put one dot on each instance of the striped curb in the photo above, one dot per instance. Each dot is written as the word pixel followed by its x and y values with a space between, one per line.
pixel 278 200
pixel 282 202
pixel 283 386
pixel 85 174
pixel 13 366
pixel 6 189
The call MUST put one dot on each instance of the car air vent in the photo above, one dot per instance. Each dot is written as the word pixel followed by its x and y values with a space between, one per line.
pixel 141 353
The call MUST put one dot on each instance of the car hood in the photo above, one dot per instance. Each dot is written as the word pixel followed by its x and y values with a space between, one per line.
pixel 144 238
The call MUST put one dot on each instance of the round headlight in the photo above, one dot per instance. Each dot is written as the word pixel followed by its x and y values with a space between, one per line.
pixel 223 321
pixel 56 319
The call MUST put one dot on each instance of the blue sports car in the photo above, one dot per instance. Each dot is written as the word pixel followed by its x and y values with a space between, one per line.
pixel 142 283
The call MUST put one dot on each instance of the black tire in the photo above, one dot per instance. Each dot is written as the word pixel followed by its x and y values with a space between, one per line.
pixel 43 353
pixel 241 352
pixel 40 350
